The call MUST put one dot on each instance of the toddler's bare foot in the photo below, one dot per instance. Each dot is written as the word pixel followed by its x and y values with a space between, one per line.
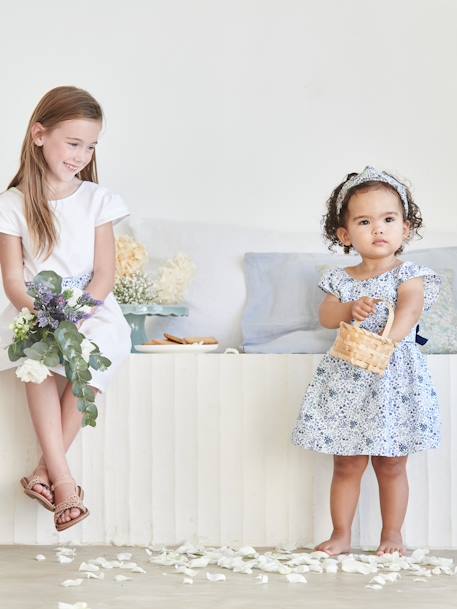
pixel 339 543
pixel 42 472
pixel 391 541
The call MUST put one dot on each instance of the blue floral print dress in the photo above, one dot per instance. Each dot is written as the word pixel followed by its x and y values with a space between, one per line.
pixel 350 411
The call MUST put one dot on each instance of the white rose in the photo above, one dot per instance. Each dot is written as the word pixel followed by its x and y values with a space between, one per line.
pixel 26 314
pixel 86 349
pixel 75 294
pixel 32 371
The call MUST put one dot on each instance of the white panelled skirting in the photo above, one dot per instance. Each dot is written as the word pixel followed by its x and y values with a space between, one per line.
pixel 197 447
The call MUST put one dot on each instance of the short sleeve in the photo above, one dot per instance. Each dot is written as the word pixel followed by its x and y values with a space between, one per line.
pixel 9 218
pixel 432 281
pixel 112 209
pixel 330 282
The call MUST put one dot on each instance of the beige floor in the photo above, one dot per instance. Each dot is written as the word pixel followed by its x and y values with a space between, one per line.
pixel 28 584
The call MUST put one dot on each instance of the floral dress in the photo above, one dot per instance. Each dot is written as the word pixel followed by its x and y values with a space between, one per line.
pixel 349 411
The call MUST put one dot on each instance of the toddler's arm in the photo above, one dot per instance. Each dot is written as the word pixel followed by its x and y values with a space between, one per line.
pixel 13 272
pixel 409 308
pixel 332 311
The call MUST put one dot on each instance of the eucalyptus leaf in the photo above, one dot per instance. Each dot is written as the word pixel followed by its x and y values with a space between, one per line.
pixel 83 391
pixel 88 420
pixel 16 351
pixel 99 362
pixel 50 280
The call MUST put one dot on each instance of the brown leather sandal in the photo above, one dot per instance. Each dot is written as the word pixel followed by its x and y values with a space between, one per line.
pixel 28 484
pixel 73 501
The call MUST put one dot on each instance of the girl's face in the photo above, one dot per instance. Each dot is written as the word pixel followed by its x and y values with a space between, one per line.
pixel 67 148
pixel 374 223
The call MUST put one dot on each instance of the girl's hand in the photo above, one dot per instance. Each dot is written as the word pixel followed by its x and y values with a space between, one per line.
pixel 363 308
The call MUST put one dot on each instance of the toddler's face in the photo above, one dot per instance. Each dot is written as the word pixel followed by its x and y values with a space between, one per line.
pixel 374 223
pixel 68 147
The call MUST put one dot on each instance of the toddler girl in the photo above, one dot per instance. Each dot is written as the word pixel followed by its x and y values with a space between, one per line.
pixel 350 412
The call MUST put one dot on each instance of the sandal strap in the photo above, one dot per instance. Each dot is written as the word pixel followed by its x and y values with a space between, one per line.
pixel 37 480
pixel 73 501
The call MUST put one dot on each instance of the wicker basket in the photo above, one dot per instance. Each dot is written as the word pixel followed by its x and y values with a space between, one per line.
pixel 363 348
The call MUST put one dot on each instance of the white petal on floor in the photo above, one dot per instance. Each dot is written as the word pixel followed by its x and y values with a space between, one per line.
pixel 420 579
pixel 128 565
pixel 138 569
pixel 247 551
pixel 302 569
pixel 68 583
pixel 40 557
pixel 202 561
pixel 215 577
pixel 296 578
pixel 187 580
pixel 378 579
pixel 124 556
pixel 79 605
pixel 391 577
pixel 84 566
pixel 64 559
pixel 185 570
pixel 419 555
pixel 90 575
pixel 374 586
pixel 121 578
pixel 350 565
pixel 66 551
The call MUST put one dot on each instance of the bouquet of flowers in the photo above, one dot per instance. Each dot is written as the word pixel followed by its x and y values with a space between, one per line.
pixel 49 336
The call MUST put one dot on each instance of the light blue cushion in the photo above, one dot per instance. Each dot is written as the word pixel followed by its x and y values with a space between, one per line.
pixel 283 298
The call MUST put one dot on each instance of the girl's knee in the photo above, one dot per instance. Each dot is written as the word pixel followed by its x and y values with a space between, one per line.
pixel 350 465
pixel 389 466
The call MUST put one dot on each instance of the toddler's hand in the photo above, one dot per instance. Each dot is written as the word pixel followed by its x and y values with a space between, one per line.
pixel 363 308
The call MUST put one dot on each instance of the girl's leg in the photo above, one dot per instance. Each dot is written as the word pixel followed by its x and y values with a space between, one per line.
pixel 344 495
pixel 45 410
pixel 393 497
pixel 71 419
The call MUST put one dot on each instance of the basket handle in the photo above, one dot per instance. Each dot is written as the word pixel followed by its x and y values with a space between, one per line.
pixel 390 319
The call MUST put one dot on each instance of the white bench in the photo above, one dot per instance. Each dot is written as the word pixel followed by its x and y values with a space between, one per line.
pixel 198 447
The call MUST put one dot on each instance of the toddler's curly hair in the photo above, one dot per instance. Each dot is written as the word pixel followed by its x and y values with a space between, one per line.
pixel 332 220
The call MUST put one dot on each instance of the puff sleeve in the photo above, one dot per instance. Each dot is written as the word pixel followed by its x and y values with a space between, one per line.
pixel 111 209
pixel 330 282
pixel 432 281
pixel 9 218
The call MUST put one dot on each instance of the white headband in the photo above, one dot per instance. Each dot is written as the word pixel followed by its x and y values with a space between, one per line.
pixel 370 174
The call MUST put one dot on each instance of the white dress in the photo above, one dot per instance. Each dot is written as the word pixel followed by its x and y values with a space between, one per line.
pixel 73 258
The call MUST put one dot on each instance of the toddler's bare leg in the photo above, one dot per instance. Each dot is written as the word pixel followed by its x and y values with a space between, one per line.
pixel 393 497
pixel 344 495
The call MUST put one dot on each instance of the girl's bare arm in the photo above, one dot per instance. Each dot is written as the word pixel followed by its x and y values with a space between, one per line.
pixel 12 265
pixel 104 262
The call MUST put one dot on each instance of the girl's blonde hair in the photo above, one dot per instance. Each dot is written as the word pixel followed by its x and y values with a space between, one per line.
pixel 58 105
